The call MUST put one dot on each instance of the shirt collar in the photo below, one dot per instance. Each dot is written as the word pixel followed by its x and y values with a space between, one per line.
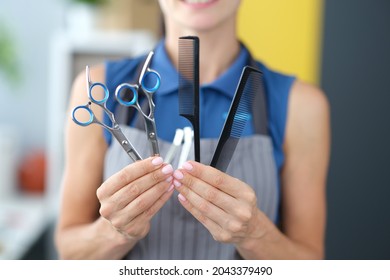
pixel 163 65
pixel 226 83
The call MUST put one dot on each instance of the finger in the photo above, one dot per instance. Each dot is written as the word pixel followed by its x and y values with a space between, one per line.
pixel 144 201
pixel 138 226
pixel 206 191
pixel 128 175
pixel 204 207
pixel 214 229
pixel 214 177
pixel 127 194
pixel 230 233
pixel 149 213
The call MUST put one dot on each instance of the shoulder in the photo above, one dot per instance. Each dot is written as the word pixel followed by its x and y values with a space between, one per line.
pixel 308 101
pixel 308 115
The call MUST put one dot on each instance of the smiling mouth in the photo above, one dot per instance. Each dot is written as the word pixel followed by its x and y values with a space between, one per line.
pixel 198 2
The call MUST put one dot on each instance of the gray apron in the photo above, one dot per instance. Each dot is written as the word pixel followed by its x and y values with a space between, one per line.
pixel 175 233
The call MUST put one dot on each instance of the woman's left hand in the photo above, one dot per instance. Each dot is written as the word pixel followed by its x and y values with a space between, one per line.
pixel 226 206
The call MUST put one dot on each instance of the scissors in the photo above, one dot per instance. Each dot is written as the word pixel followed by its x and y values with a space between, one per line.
pixel 148 83
pixel 101 102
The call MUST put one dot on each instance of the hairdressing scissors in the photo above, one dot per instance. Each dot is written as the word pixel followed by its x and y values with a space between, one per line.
pixel 128 95
pixel 101 102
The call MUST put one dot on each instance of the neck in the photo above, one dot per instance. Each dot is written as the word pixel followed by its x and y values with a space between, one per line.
pixel 218 49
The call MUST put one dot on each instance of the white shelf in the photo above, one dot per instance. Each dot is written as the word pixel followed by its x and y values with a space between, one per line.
pixel 23 219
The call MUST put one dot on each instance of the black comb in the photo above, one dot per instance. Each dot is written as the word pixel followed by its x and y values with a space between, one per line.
pixel 189 85
pixel 239 113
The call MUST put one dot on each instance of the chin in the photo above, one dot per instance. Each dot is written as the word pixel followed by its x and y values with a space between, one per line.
pixel 200 15
pixel 201 25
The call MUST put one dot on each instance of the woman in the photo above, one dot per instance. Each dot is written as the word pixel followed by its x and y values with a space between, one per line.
pixel 271 205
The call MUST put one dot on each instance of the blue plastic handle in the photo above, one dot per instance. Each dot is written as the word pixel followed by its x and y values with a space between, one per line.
pixel 119 98
pixel 158 81
pixel 84 107
pixel 106 93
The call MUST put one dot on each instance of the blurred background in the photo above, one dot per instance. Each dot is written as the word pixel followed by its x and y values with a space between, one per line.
pixel 341 46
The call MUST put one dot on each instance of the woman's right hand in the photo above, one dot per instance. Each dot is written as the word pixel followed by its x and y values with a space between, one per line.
pixel 130 198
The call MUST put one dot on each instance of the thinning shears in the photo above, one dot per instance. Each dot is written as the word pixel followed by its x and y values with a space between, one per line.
pixel 101 102
pixel 129 95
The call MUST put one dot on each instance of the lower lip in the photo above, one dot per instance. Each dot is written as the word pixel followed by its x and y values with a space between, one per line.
pixel 200 5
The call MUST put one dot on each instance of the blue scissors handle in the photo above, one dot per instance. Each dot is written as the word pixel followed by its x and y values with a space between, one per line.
pixel 123 96
pixel 121 93
pixel 92 118
pixel 153 77
pixel 147 72
pixel 98 100
pixel 150 125
pixel 84 108
pixel 115 130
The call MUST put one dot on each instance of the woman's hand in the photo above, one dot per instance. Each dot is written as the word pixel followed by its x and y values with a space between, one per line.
pixel 130 198
pixel 224 205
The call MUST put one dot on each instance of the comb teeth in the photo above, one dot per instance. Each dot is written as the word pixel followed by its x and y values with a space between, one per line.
pixel 252 81
pixel 188 74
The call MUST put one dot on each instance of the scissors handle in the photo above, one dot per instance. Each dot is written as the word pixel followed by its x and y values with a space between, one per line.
pixel 97 99
pixel 126 145
pixel 115 130
pixel 127 98
pixel 92 118
pixel 150 81
pixel 132 96
pixel 88 110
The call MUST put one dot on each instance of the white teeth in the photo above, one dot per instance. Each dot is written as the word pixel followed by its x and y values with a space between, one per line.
pixel 198 1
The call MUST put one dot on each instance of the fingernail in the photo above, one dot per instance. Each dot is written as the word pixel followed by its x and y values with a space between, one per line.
pixel 176 183
pixel 178 175
pixel 170 188
pixel 167 169
pixel 157 161
pixel 188 166
pixel 181 197
pixel 169 179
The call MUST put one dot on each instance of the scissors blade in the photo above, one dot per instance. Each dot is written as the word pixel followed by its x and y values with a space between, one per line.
pixel 150 127
pixel 88 78
pixel 125 143
pixel 145 67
